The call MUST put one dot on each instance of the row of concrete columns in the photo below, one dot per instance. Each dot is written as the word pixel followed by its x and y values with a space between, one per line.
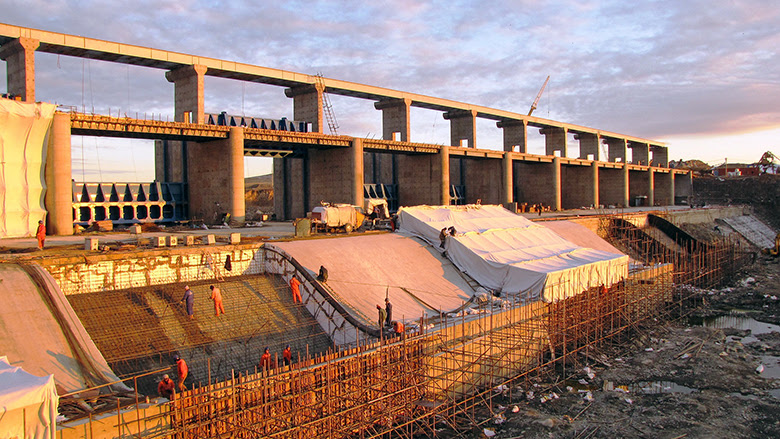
pixel 308 106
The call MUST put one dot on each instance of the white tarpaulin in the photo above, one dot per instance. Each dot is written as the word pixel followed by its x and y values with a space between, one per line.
pixel 506 252
pixel 23 131
pixel 28 404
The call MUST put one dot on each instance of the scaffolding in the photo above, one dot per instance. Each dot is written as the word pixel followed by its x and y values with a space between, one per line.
pixel 414 385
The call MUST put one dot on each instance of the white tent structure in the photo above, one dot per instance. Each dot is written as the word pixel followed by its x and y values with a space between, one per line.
pixel 506 252
pixel 28 404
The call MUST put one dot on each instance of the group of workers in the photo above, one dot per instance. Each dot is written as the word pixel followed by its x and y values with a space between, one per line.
pixel 445 232
pixel 189 301
pixel 386 318
pixel 166 388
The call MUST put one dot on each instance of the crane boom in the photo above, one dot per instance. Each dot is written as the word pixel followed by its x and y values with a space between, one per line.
pixel 539 96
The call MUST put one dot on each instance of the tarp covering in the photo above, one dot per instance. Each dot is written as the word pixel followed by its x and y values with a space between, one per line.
pixel 506 252
pixel 23 131
pixel 28 404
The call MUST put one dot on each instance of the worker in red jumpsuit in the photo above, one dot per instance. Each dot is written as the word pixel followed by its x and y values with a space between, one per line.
pixel 287 355
pixel 266 362
pixel 166 388
pixel 216 296
pixel 295 287
pixel 183 370
pixel 41 234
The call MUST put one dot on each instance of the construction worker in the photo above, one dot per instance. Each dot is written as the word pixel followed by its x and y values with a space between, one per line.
pixel 295 287
pixel 189 297
pixel 323 276
pixel 266 362
pixel 443 237
pixel 388 311
pixel 166 388
pixel 183 371
pixel 40 234
pixel 398 327
pixel 216 296
pixel 382 316
pixel 287 355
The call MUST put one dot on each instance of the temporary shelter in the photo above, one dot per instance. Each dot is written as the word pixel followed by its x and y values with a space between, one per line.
pixel 28 404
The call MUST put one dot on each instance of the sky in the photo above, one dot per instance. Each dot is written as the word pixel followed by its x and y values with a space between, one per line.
pixel 703 76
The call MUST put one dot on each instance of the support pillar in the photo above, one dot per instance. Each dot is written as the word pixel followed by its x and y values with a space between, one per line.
pixel 671 189
pixel 626 187
pixel 444 160
pixel 59 188
pixel 640 153
pixel 307 105
pixel 188 93
pixel 357 172
pixel 556 181
pixel 651 187
pixel 463 126
pixel 237 207
pixel 515 134
pixel 660 156
pixel 589 144
pixel 617 149
pixel 595 183
pixel 554 140
pixel 19 55
pixel 508 186
pixel 395 118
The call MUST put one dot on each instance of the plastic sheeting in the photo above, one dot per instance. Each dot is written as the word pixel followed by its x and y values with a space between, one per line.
pixel 506 252
pixel 28 404
pixel 23 135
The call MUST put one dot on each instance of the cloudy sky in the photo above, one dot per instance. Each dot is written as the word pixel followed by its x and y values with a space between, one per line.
pixel 703 76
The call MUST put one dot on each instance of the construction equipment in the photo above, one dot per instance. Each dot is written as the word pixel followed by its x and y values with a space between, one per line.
pixel 768 162
pixel 773 251
pixel 539 96
pixel 336 217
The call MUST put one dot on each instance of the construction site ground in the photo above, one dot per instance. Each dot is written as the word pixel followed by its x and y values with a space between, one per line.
pixel 715 373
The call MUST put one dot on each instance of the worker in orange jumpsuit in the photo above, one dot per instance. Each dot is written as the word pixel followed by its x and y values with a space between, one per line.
pixel 287 355
pixel 266 362
pixel 183 370
pixel 295 287
pixel 216 296
pixel 41 234
pixel 166 388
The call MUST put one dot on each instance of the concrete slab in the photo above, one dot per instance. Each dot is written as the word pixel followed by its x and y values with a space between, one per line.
pixel 756 232
pixel 363 269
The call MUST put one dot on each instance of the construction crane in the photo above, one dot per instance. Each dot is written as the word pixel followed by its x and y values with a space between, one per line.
pixel 539 96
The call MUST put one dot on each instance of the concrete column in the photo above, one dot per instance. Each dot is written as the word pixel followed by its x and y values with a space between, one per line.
pixel 357 171
pixel 395 118
pixel 660 156
pixel 188 93
pixel 307 105
pixel 57 171
pixel 515 134
pixel 556 181
pixel 589 144
pixel 595 183
pixel 640 153
pixel 463 126
pixel 671 189
pixel 617 149
pixel 236 159
pixel 508 186
pixel 626 187
pixel 19 55
pixel 444 156
pixel 554 140
pixel 651 187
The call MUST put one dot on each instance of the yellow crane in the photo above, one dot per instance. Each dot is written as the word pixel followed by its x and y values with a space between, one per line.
pixel 536 101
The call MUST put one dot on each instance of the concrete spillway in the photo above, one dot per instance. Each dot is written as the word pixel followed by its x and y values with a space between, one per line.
pixel 40 332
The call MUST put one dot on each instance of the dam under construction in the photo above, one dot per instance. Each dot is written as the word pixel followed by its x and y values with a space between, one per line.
pixel 108 325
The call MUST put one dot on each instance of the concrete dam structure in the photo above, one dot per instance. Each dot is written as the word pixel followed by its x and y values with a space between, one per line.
pixel 310 166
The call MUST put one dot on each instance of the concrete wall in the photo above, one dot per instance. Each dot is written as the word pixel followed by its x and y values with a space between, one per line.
pixel 419 179
pixel 638 183
pixel 378 168
pixel 290 196
pixel 483 180
pixel 664 189
pixel 577 183
pixel 534 183
pixel 110 272
pixel 611 189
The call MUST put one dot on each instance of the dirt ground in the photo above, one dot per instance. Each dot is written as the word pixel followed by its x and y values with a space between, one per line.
pixel 685 379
